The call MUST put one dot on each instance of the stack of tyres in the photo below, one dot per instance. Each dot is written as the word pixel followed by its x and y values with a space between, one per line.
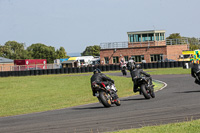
pixel 44 71
pixel 146 66
pixel 176 64
pixel 162 64
pixel 171 64
pixel 70 70
pixel 159 64
pixel 82 69
pixel 90 69
pixel 180 64
pixel 74 70
pixel 48 71
pixel 166 64
pixel 142 65
pixel 149 65
pixel 86 69
pixel 107 67
pixel 154 65
pixel 103 68
pixel 117 67
pixel 78 70
pixel 53 71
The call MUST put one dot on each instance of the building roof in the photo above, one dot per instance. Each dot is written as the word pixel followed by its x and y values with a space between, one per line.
pixel 5 60
pixel 146 31
pixel 68 62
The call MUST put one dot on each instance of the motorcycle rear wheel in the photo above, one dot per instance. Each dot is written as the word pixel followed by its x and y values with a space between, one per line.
pixel 105 100
pixel 144 91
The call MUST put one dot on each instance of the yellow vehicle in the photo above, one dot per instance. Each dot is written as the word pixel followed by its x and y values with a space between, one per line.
pixel 193 56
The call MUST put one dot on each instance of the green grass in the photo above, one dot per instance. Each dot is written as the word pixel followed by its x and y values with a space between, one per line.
pixel 183 127
pixel 163 71
pixel 21 95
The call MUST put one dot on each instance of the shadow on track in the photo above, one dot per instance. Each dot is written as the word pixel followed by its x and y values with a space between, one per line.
pixel 99 107
pixel 136 99
pixel 188 91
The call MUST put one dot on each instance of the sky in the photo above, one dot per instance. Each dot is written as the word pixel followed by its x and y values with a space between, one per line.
pixel 76 24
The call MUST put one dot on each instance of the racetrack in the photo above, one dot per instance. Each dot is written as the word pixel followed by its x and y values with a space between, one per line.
pixel 179 101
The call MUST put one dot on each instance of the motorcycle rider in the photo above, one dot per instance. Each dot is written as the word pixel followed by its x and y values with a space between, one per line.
pixel 123 66
pixel 137 72
pixel 130 63
pixel 100 77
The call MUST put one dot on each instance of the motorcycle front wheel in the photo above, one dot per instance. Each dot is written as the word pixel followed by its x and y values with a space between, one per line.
pixel 105 98
pixel 117 102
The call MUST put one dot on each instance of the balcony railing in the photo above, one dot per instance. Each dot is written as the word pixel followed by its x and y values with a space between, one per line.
pixel 112 45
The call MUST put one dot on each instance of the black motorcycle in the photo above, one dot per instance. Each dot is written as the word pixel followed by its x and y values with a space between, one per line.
pixel 195 72
pixel 106 95
pixel 146 88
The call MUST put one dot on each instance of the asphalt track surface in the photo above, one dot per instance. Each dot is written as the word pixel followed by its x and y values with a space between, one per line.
pixel 179 101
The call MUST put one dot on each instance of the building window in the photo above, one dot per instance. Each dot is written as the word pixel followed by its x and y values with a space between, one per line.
pixel 156 57
pixel 115 59
pixel 106 60
pixel 138 58
pixel 157 36
pixel 126 58
pixel 151 37
pixel 82 61
pixel 131 38
pixel 162 36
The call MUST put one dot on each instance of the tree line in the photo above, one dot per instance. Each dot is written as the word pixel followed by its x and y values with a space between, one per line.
pixel 193 42
pixel 14 50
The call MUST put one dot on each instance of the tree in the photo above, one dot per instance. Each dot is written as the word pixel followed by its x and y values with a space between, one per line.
pixel 92 51
pixel 61 53
pixel 174 36
pixel 41 51
pixel 13 50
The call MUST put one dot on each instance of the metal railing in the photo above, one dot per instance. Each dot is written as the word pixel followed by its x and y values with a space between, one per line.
pixel 28 67
pixel 112 45
pixel 177 41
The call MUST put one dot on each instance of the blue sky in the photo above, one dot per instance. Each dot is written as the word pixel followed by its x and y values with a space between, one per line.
pixel 76 24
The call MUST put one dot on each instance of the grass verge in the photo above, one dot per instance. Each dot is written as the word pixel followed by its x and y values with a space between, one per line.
pixel 182 127
pixel 21 95
pixel 163 71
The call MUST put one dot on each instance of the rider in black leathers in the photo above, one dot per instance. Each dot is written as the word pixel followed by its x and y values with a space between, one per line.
pixel 100 77
pixel 137 72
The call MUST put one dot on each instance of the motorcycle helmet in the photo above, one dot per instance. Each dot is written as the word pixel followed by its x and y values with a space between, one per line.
pixel 138 66
pixel 97 70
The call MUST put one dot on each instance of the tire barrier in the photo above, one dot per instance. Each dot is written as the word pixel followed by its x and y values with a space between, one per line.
pixel 90 69
pixel 74 70
pixel 107 67
pixel 171 64
pixel 69 70
pixel 142 65
pixel 112 67
pixel 65 70
pixel 166 64
pixel 48 71
pixel 53 71
pixel 82 69
pixel 86 69
pixel 103 68
pixel 159 64
pixel 149 65
pixel 145 66
pixel 117 67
